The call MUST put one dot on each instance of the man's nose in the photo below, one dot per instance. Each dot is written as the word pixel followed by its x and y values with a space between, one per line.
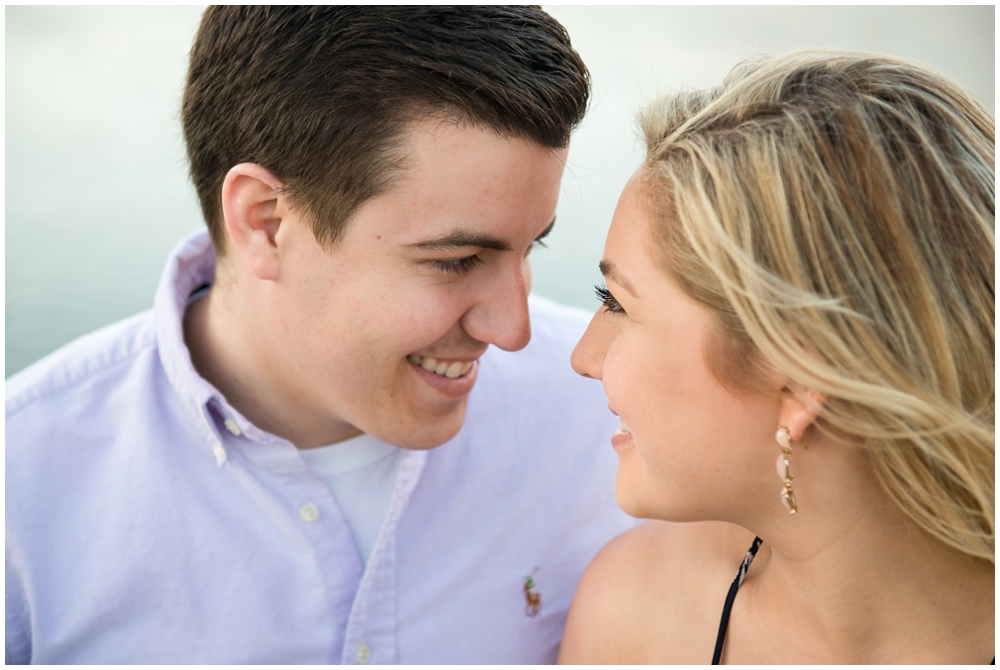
pixel 589 353
pixel 501 314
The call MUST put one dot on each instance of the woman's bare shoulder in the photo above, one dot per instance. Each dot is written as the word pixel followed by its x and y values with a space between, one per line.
pixel 654 594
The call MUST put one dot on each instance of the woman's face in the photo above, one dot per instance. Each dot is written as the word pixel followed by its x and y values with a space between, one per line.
pixel 688 446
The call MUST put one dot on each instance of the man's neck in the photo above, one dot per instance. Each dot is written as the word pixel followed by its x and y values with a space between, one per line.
pixel 224 352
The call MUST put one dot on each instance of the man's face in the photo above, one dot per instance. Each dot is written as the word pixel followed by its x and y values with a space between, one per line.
pixel 382 333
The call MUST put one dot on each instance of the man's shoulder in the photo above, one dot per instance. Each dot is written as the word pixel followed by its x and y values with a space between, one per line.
pixel 554 323
pixel 523 398
pixel 102 356
pixel 542 368
pixel 555 330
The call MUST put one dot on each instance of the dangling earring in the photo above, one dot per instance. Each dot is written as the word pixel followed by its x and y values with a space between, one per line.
pixel 784 438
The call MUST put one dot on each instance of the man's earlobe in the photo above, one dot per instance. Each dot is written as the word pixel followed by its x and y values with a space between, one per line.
pixel 250 195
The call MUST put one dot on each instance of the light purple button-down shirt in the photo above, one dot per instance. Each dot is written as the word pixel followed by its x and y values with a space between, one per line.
pixel 149 522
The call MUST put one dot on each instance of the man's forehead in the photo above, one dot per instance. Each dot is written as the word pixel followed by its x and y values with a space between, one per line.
pixel 456 185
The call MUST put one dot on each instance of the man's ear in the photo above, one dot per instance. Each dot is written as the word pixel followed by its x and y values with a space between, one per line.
pixel 250 196
pixel 799 409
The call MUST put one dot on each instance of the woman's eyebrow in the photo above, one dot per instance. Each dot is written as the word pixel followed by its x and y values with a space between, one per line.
pixel 610 271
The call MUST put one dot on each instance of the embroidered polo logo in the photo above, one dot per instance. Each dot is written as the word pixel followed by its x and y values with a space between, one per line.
pixel 532 599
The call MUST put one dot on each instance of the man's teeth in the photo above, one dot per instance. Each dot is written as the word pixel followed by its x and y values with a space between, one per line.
pixel 622 426
pixel 443 368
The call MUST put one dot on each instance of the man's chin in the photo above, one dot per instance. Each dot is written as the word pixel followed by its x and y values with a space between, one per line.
pixel 424 432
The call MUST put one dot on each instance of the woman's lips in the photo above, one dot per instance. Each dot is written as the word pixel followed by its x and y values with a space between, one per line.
pixel 622 436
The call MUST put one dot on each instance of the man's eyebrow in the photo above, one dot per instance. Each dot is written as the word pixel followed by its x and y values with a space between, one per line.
pixel 465 238
pixel 462 238
pixel 609 271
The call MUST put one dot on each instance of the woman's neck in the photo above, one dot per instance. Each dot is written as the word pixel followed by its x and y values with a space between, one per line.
pixel 849 579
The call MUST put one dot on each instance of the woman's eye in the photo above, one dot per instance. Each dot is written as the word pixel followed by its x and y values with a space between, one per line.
pixel 609 301
pixel 457 265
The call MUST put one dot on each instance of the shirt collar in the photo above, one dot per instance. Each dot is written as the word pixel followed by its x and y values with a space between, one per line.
pixel 190 266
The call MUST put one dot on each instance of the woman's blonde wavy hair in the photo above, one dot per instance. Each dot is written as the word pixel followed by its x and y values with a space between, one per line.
pixel 836 212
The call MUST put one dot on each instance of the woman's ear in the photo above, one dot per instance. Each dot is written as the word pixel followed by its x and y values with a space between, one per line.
pixel 250 196
pixel 799 408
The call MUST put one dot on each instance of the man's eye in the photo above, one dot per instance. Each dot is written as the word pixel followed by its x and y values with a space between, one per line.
pixel 536 244
pixel 457 265
pixel 609 301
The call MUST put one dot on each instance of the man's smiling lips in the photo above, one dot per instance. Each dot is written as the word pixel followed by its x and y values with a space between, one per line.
pixel 450 377
pixel 451 370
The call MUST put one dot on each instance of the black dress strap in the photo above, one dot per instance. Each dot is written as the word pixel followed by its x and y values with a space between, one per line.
pixel 720 639
pixel 730 597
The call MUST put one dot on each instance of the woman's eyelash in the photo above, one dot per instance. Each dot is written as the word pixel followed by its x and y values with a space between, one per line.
pixel 457 265
pixel 609 301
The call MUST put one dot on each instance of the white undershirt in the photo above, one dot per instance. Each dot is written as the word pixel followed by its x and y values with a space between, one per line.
pixel 360 473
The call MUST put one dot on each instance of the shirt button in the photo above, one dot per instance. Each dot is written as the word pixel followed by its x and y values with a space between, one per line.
pixel 363 653
pixel 232 427
pixel 219 452
pixel 308 513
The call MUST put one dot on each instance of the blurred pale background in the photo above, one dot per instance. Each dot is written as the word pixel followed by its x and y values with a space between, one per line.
pixel 96 185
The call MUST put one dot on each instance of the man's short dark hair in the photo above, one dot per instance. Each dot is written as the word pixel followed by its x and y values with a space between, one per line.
pixel 321 96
